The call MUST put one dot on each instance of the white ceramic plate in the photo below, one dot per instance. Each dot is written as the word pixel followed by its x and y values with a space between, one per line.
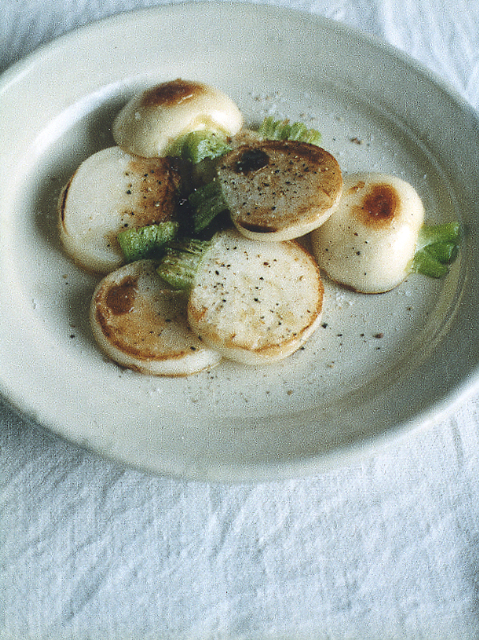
pixel 348 390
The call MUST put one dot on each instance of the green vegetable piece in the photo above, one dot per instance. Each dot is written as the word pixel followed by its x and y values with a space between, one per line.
pixel 437 247
pixel 144 242
pixel 201 145
pixel 428 265
pixel 181 261
pixel 272 129
pixel 207 203
pixel 445 252
pixel 433 233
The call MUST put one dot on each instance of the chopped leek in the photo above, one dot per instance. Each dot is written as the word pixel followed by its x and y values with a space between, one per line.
pixel 181 261
pixel 444 252
pixel 427 265
pixel 431 233
pixel 207 202
pixel 201 145
pixel 272 129
pixel 143 242
pixel 436 248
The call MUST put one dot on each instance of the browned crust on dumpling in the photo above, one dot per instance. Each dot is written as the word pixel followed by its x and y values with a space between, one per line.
pixel 142 325
pixel 273 185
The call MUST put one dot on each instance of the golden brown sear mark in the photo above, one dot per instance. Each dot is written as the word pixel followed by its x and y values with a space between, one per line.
pixel 171 93
pixel 379 205
pixel 120 298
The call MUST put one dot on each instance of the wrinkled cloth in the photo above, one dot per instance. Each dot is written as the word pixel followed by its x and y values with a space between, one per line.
pixel 387 547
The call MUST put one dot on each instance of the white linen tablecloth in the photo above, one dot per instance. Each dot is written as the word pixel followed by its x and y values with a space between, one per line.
pixel 381 549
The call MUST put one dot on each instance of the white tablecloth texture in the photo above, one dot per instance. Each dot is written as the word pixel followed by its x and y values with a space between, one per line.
pixel 386 548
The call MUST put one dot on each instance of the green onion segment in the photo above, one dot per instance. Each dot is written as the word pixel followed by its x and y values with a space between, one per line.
pixel 436 249
pixel 181 261
pixel 143 242
pixel 272 129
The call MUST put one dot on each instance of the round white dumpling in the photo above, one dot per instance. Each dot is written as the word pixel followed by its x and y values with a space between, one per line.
pixel 279 189
pixel 150 123
pixel 141 324
pixel 111 191
pixel 370 240
pixel 255 302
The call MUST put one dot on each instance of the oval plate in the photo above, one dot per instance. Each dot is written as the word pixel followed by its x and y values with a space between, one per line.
pixel 379 365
